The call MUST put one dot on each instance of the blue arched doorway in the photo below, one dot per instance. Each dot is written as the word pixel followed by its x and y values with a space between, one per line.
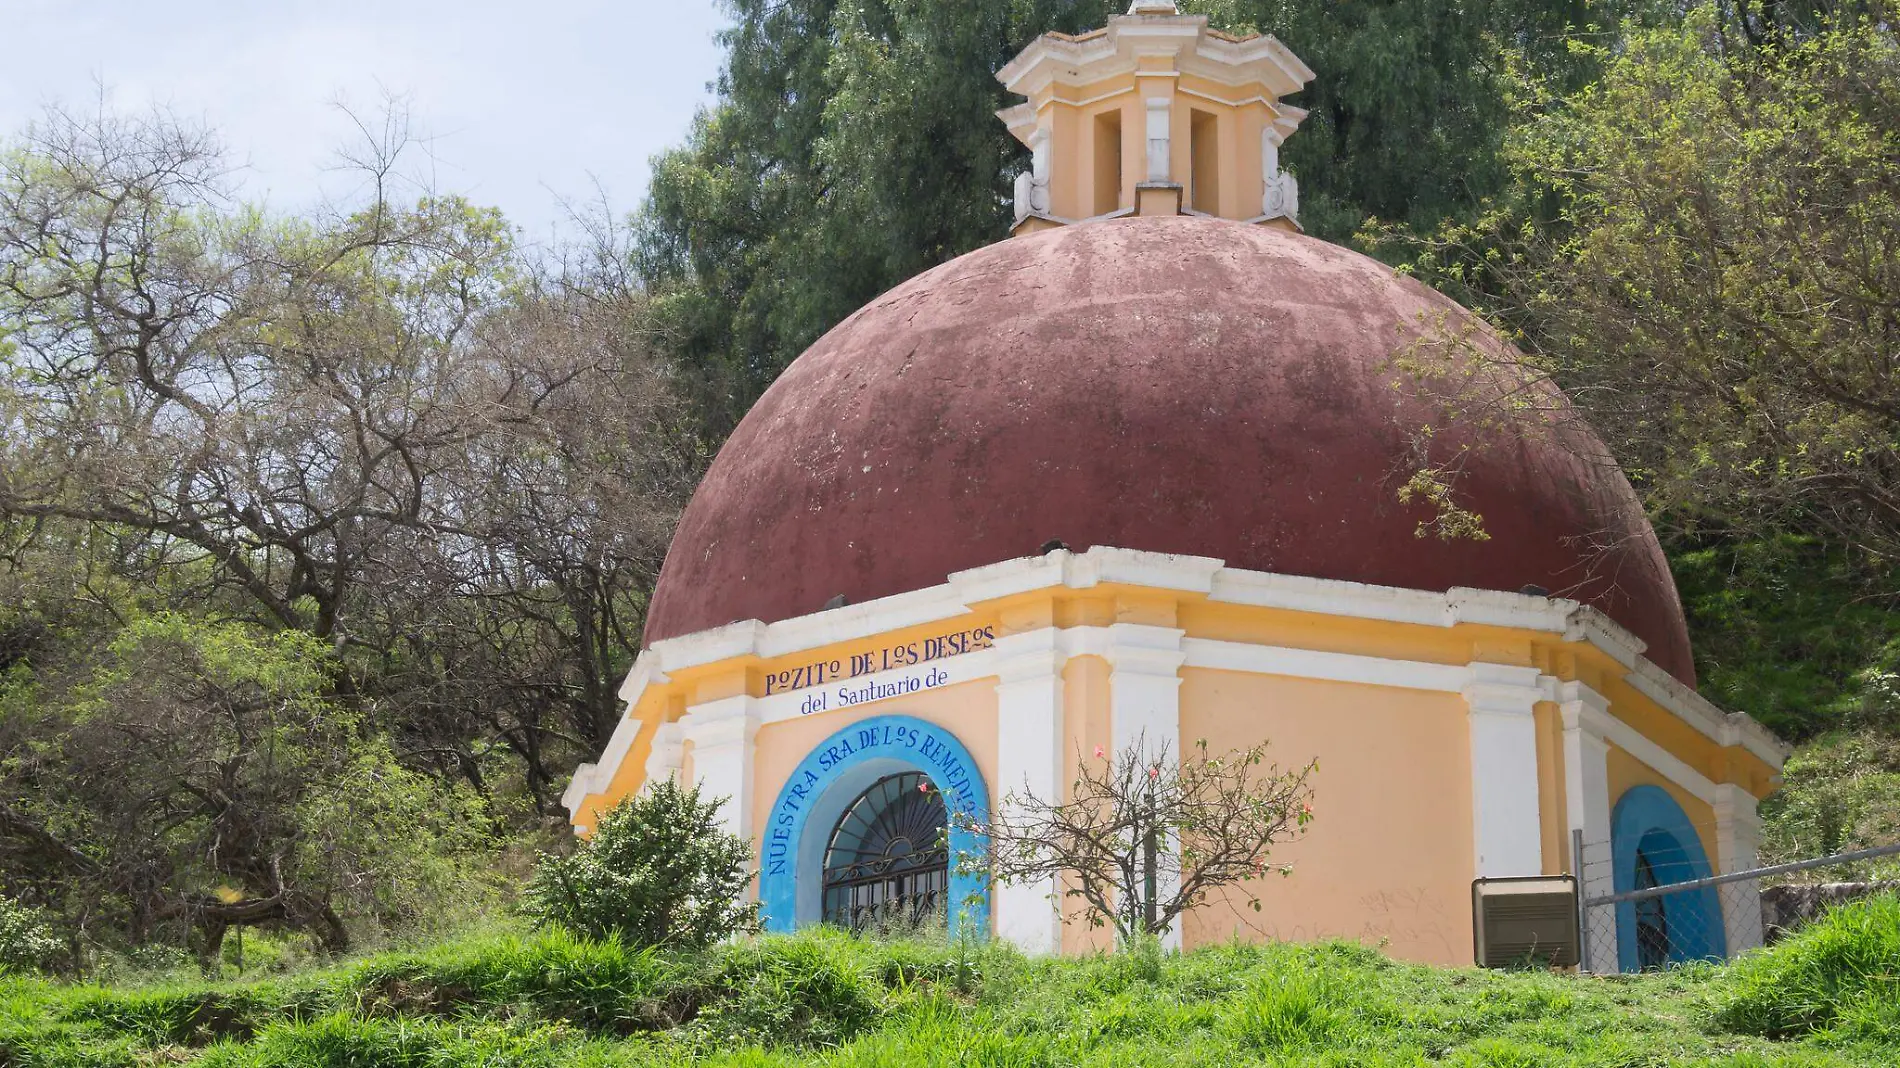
pixel 1652 843
pixel 866 787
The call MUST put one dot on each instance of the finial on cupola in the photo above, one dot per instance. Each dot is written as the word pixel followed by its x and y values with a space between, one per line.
pixel 1154 114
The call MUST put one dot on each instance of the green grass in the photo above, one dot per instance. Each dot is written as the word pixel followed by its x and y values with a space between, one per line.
pixel 1840 978
pixel 1825 998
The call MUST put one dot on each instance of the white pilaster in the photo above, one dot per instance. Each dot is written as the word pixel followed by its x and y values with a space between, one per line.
pixel 1280 194
pixel 1737 838
pixel 1587 805
pixel 723 733
pixel 1032 186
pixel 668 752
pixel 1144 685
pixel 1144 705
pixel 1029 737
pixel 1158 161
pixel 1507 833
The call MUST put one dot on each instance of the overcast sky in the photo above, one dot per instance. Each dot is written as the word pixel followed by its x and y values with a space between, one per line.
pixel 520 100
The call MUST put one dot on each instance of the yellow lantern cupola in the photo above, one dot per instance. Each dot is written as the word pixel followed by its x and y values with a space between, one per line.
pixel 1154 114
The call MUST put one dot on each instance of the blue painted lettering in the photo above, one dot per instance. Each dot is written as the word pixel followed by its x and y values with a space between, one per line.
pixel 888 658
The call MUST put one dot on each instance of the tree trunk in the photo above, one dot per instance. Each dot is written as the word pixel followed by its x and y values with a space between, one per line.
pixel 210 945
pixel 1148 850
pixel 330 929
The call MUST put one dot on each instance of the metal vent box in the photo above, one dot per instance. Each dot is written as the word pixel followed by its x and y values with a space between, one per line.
pixel 1531 920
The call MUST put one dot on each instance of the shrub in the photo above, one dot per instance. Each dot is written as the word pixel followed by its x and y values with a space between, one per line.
pixel 1841 970
pixel 1226 813
pixel 27 941
pixel 658 871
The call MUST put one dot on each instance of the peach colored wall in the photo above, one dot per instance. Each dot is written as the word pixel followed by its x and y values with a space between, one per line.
pixel 1388 856
pixel 1085 721
pixel 967 710
pixel 1552 802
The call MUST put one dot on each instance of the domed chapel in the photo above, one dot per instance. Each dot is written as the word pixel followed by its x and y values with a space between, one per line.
pixel 1128 474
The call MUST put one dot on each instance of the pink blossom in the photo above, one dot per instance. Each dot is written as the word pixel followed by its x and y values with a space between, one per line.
pixel 1154 772
pixel 923 787
pixel 1098 752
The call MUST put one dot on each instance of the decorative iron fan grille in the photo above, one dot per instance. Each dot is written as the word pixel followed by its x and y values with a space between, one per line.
pixel 887 864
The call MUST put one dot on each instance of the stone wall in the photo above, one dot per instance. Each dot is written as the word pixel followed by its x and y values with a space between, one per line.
pixel 1785 909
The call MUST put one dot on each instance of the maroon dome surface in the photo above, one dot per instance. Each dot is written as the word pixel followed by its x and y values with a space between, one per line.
pixel 1176 385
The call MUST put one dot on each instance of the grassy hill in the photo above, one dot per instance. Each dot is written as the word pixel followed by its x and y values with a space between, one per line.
pixel 1828 997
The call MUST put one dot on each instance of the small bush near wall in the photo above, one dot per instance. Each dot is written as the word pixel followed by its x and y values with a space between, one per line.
pixel 660 870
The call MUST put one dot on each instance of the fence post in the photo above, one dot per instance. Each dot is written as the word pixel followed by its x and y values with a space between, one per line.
pixel 1583 913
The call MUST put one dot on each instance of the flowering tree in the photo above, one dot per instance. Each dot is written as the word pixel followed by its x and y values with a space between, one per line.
pixel 1142 837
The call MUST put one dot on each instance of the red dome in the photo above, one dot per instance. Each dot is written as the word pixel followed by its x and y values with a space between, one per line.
pixel 1178 385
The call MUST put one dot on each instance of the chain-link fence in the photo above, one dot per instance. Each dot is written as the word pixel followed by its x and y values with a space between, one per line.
pixel 1655 901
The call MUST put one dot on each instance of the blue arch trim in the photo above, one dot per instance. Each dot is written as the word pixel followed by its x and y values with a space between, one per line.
pixel 1647 814
pixel 888 742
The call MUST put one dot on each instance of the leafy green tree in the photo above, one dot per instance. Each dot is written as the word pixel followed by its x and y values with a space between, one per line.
pixel 1786 631
pixel 852 146
pixel 659 870
pixel 1716 277
pixel 383 424
pixel 194 776
pixel 1407 112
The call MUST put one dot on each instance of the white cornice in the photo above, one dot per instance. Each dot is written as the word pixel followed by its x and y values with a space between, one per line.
pixel 1602 724
pixel 965 591
pixel 1725 728
pixel 1116 49
pixel 1265 589
pixel 1020 119
pixel 583 784
pixel 1206 576
pixel 1586 624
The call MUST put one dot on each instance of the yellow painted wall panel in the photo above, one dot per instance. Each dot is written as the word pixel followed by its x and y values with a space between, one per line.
pixel 1388 855
pixel 1085 711
pixel 1552 806
pixel 1310 630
